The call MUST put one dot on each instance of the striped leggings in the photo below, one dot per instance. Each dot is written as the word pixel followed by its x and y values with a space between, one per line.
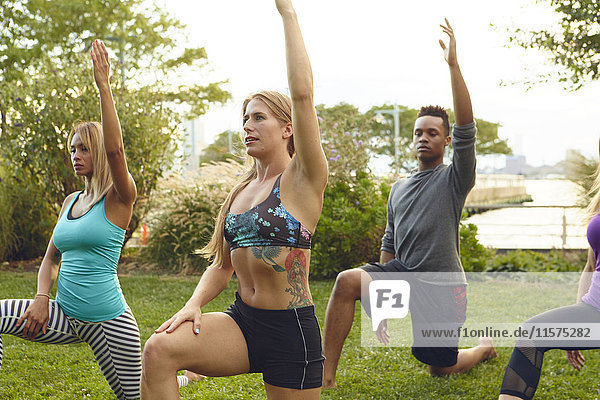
pixel 115 343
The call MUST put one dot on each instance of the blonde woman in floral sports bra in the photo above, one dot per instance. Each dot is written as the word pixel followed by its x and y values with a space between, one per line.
pixel 263 233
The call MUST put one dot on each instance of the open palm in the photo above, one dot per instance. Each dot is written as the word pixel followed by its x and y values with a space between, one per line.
pixel 450 50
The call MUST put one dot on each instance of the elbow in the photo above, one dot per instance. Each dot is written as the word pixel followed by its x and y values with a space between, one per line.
pixel 116 153
pixel 589 267
pixel 304 95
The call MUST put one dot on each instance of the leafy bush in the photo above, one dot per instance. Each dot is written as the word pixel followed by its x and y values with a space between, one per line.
pixel 183 215
pixel 354 205
pixel 532 261
pixel 8 238
pixel 351 226
pixel 473 255
pixel 477 258
pixel 26 220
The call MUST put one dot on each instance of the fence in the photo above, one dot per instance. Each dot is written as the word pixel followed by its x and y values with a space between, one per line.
pixel 530 227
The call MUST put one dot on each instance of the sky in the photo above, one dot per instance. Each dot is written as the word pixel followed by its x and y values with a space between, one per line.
pixel 372 52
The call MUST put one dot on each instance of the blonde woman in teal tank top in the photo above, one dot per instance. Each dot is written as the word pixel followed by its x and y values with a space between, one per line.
pixel 83 254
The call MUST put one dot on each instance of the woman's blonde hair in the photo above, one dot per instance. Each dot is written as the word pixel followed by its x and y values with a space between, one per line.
pixel 594 206
pixel 91 136
pixel 280 106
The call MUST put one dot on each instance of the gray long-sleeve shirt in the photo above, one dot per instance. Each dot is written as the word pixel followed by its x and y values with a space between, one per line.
pixel 424 211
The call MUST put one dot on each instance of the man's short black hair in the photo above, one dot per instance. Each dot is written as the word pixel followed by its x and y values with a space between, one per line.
pixel 436 111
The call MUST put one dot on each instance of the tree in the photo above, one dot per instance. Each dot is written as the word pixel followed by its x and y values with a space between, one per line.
pixel 575 45
pixel 47 85
pixel 353 216
pixel 345 141
pixel 375 133
pixel 219 150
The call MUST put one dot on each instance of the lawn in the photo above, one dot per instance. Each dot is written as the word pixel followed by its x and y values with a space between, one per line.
pixel 36 371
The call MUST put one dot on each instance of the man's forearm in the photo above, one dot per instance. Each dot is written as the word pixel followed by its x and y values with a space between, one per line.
pixel 385 257
pixel 463 110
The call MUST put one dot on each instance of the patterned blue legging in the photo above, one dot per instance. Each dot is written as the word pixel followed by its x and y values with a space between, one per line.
pixel 115 343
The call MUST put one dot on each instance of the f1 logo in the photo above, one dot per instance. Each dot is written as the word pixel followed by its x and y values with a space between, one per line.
pixel 391 300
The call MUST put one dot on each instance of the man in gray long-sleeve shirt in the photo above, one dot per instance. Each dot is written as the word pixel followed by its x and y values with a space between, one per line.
pixel 421 236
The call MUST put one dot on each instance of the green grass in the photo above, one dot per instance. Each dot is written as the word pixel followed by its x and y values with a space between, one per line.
pixel 36 371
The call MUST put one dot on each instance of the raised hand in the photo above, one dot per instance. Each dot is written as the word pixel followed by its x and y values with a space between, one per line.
pixel 284 5
pixel 101 63
pixel 450 50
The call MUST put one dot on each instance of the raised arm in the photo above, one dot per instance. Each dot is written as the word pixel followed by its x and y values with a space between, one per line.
pixel 463 111
pixel 463 141
pixel 310 158
pixel 124 185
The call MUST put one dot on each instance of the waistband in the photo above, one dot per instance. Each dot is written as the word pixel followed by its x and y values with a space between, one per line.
pixel 305 311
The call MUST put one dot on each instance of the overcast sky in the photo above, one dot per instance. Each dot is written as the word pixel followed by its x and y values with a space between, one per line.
pixel 370 52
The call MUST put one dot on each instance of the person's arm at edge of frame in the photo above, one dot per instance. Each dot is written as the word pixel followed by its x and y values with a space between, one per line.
pixel 574 357
pixel 213 281
pixel 310 158
pixel 37 314
pixel 123 183
pixel 585 280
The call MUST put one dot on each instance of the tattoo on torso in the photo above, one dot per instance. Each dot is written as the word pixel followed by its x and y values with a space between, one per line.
pixel 267 254
pixel 295 265
pixel 296 268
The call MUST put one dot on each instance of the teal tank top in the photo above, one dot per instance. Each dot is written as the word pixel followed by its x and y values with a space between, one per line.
pixel 88 287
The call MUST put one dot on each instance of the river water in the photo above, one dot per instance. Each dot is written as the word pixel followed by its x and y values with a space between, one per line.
pixel 536 228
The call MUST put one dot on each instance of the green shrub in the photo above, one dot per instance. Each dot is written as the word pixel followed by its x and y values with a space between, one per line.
pixel 8 239
pixel 26 219
pixel 473 255
pixel 351 226
pixel 532 261
pixel 477 258
pixel 183 215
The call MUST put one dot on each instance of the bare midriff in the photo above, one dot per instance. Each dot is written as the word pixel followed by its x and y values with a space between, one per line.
pixel 272 277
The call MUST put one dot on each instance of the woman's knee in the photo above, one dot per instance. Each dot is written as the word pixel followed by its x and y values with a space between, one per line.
pixel 158 351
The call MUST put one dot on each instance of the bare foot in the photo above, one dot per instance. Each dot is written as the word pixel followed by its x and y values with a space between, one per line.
pixel 491 350
pixel 192 376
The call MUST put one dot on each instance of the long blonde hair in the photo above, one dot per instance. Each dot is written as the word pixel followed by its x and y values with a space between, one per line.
pixel 280 106
pixel 594 206
pixel 92 137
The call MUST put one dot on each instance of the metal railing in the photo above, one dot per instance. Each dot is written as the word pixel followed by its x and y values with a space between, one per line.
pixel 567 229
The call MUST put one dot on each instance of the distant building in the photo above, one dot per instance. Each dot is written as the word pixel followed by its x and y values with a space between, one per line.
pixel 194 141
pixel 515 165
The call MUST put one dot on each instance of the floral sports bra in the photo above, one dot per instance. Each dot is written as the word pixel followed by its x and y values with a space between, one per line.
pixel 267 224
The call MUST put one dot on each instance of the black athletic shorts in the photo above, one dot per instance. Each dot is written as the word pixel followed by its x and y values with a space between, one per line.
pixel 431 306
pixel 285 345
